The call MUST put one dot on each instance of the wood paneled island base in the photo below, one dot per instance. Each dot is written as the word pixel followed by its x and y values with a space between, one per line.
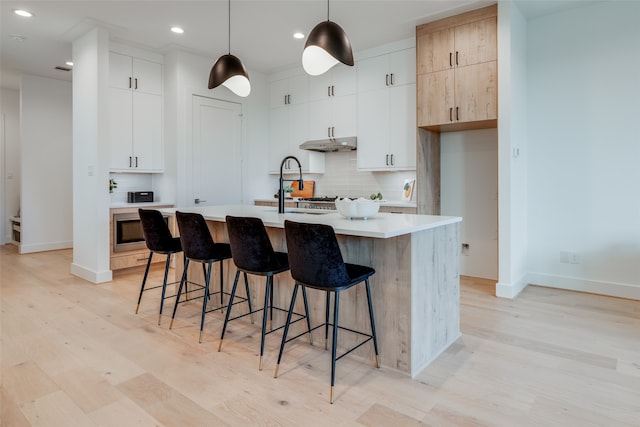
pixel 415 291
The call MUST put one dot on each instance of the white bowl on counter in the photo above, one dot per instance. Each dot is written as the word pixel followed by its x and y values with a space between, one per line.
pixel 357 209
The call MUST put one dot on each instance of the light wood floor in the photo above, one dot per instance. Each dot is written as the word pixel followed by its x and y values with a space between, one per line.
pixel 75 354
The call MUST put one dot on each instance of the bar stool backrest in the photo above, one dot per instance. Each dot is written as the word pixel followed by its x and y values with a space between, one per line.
pixel 250 245
pixel 156 233
pixel 195 236
pixel 314 255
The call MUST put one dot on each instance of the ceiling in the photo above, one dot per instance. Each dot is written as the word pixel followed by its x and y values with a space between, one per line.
pixel 261 30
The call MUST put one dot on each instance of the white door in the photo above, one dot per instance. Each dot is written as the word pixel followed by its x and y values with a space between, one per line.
pixel 216 162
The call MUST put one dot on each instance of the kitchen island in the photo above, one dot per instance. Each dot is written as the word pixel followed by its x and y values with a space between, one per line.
pixel 415 291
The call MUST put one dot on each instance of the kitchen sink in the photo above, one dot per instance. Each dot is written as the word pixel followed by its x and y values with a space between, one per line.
pixel 303 211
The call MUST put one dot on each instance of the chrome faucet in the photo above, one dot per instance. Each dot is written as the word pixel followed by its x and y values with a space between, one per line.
pixel 281 189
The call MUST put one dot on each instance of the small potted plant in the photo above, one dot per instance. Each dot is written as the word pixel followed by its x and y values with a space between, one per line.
pixel 287 191
pixel 112 185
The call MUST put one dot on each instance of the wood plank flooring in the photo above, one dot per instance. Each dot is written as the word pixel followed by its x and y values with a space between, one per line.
pixel 75 354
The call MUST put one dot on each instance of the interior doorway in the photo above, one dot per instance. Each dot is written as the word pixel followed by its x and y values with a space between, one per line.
pixel 216 155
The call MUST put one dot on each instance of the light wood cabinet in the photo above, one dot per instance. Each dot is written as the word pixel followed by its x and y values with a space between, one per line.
pixel 456 67
pixel 386 112
pixel 289 126
pixel 135 114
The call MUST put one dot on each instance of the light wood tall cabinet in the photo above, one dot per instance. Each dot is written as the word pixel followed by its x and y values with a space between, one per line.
pixel 135 114
pixel 289 126
pixel 386 111
pixel 456 67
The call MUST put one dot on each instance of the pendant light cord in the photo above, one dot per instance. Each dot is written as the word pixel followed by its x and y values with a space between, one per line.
pixel 327 10
pixel 229 26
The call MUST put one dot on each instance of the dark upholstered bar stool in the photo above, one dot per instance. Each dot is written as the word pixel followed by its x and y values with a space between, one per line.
pixel 198 246
pixel 159 240
pixel 253 254
pixel 316 262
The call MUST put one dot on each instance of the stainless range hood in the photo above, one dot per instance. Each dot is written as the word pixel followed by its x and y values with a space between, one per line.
pixel 331 144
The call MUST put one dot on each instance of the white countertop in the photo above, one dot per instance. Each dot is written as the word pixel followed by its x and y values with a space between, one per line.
pixel 391 203
pixel 121 205
pixel 382 225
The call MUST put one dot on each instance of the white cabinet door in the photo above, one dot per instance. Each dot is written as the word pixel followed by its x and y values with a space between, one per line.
pixel 373 73
pixel 320 119
pixel 120 128
pixel 337 82
pixel 387 112
pixel 278 137
pixel 343 116
pixel 402 67
pixel 147 132
pixel 373 129
pixel 120 71
pixel 135 114
pixel 147 76
pixel 402 127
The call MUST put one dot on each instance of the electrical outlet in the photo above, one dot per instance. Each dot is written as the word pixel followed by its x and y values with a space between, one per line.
pixel 465 249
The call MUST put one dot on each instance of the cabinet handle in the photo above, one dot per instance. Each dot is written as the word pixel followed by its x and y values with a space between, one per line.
pixel 130 161
pixel 328 90
pixel 456 58
pixel 136 83
pixel 387 160
pixel 333 131
pixel 288 99
pixel 450 59
pixel 386 80
pixel 392 79
pixel 136 161
pixel 129 82
pixel 332 89
pixel 285 99
pixel 392 160
pixel 457 114
pixel 450 114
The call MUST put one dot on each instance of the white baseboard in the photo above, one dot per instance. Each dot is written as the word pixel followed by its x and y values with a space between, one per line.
pixel 91 275
pixel 620 290
pixel 43 247
pixel 511 290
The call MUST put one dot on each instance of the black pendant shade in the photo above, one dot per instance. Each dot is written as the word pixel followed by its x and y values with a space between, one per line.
pixel 326 46
pixel 225 68
pixel 229 71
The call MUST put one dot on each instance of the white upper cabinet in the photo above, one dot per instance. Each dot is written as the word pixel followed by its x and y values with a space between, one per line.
pixel 289 126
pixel 386 112
pixel 332 103
pixel 394 69
pixel 337 82
pixel 135 114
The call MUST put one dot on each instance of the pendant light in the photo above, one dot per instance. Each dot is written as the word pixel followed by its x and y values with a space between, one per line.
pixel 229 71
pixel 326 46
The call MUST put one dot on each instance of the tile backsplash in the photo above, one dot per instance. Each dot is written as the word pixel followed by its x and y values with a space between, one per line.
pixel 341 178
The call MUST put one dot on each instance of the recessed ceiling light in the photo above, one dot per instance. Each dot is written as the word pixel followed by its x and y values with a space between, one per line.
pixel 298 35
pixel 69 63
pixel 21 12
pixel 177 30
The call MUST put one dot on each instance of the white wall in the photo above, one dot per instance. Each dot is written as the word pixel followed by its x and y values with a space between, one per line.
pixel 10 163
pixel 512 167
pixel 91 157
pixel 469 188
pixel 45 181
pixel 584 150
pixel 187 75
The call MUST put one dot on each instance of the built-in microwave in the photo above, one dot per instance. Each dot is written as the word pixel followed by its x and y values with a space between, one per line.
pixel 127 232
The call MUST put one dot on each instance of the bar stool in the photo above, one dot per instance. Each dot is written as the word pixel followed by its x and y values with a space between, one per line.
pixel 316 262
pixel 159 240
pixel 198 246
pixel 253 253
